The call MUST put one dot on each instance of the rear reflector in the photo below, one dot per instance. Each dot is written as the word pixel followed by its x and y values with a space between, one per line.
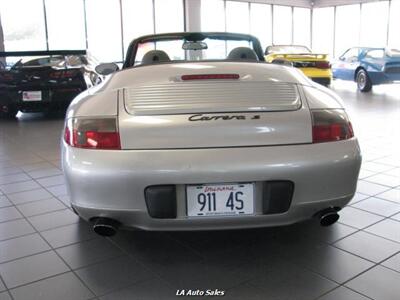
pixel 210 76
pixel 92 133
pixel 330 125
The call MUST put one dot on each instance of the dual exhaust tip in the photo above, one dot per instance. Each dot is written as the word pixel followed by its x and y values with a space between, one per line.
pixel 109 227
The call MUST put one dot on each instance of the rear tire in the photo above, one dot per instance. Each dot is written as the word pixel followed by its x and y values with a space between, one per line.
pixel 364 83
pixel 9 113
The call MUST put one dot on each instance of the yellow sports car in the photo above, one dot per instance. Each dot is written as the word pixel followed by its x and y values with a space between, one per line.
pixel 315 66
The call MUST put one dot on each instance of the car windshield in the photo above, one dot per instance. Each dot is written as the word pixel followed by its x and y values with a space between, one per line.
pixel 288 49
pixel 181 49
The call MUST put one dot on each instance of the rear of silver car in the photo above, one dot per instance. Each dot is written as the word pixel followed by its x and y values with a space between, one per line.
pixel 175 158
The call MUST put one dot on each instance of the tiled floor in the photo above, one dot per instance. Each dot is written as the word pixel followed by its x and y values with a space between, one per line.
pixel 47 253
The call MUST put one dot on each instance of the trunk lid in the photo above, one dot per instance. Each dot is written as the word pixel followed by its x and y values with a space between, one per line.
pixel 256 110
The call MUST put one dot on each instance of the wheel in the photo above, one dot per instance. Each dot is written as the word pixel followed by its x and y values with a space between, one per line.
pixel 364 84
pixel 8 112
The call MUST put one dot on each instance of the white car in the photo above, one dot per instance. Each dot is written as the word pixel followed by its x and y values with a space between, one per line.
pixel 198 132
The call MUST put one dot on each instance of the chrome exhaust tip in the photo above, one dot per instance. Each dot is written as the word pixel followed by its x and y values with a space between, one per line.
pixel 105 226
pixel 328 216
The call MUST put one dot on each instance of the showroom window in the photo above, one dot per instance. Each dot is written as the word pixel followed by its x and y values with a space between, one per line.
pixel 301 26
pixel 394 36
pixel 169 15
pixel 261 23
pixel 282 25
pixel 64 31
pixel 347 32
pixel 27 31
pixel 237 17
pixel 104 29
pixel 212 15
pixel 137 19
pixel 374 18
pixel 322 37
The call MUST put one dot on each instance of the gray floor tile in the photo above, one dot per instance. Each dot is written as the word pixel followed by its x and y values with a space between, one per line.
pixel 289 281
pixel 393 172
pixel 365 174
pixel 19 187
pixel 358 218
pixel 113 274
pixel 9 213
pixel 147 290
pixel 369 188
pixel 58 190
pixel 392 195
pixel 53 219
pixel 368 246
pixel 332 263
pixel 44 173
pixel 376 167
pixel 22 246
pixel 40 207
pixel 69 234
pixel 5 296
pixel 378 206
pixel 383 179
pixel 89 252
pixel 29 196
pixel 358 197
pixel 4 202
pixel 51 181
pixel 14 178
pixel 9 171
pixel 343 293
pixel 393 262
pixel 15 228
pixel 36 166
pixel 61 287
pixel 2 286
pixel 32 268
pixel 378 283
pixel 396 217
pixel 389 229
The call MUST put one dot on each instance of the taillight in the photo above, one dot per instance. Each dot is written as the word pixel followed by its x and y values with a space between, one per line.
pixel 322 65
pixel 99 133
pixel 62 74
pixel 330 125
pixel 209 76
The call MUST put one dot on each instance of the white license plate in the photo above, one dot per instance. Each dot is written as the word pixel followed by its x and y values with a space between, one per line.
pixel 32 96
pixel 220 199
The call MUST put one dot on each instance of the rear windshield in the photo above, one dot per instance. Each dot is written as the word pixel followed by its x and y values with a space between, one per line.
pixel 181 50
pixel 393 52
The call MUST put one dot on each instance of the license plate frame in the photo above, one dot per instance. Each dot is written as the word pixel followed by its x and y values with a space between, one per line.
pixel 222 203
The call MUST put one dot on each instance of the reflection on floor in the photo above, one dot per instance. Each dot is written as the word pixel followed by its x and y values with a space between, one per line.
pixel 46 253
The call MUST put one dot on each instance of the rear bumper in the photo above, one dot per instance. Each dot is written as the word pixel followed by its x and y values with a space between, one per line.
pixel 321 76
pixel 112 183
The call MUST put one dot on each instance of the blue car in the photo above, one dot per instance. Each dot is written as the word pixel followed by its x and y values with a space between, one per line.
pixel 368 66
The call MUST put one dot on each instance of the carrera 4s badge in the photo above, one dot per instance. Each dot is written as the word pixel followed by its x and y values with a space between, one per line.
pixel 201 117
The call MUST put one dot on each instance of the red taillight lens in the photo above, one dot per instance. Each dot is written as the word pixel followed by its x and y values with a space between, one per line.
pixel 62 74
pixel 330 125
pixel 322 65
pixel 92 133
pixel 210 76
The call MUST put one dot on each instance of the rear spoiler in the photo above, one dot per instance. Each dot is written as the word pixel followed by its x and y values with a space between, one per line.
pixel 42 53
pixel 294 55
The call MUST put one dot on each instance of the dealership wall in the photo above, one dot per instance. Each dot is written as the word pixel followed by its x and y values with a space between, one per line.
pixel 107 27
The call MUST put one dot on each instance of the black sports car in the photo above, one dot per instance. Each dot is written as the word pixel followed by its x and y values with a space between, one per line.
pixel 42 81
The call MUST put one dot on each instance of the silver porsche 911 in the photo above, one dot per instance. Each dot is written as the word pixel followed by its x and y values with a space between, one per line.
pixel 198 132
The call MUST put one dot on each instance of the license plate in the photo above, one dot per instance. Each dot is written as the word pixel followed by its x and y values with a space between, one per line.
pixel 32 96
pixel 220 199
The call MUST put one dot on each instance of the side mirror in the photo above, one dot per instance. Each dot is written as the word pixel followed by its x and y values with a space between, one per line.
pixel 341 58
pixel 106 68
